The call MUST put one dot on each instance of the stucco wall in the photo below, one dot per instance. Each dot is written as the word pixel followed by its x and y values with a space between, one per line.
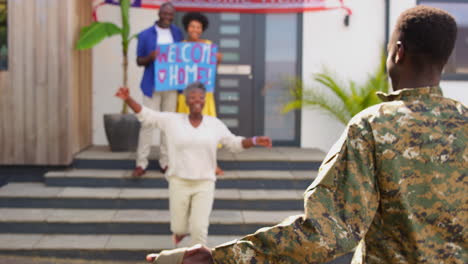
pixel 107 68
pixel 352 52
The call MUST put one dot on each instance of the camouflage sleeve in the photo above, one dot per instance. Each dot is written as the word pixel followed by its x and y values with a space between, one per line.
pixel 339 208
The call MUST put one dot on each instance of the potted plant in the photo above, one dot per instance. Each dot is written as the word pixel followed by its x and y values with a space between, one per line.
pixel 122 130
pixel 343 102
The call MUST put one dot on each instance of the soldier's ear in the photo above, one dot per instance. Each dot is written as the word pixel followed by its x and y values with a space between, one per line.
pixel 399 53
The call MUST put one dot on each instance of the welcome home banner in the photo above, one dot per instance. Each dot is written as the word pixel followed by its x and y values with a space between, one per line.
pixel 180 64
pixel 243 6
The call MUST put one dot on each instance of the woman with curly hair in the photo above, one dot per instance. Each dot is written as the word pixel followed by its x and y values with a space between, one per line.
pixel 195 23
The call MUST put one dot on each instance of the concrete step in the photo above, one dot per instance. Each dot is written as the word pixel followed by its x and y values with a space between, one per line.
pixel 142 222
pixel 118 247
pixel 277 158
pixel 95 211
pixel 101 247
pixel 37 195
pixel 236 179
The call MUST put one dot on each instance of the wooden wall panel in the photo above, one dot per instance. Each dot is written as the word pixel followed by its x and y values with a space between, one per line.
pixel 40 73
pixel 6 127
pixel 63 111
pixel 28 91
pixel 45 95
pixel 82 81
pixel 16 60
pixel 52 82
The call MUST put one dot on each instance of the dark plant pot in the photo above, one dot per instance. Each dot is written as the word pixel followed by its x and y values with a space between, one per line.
pixel 122 131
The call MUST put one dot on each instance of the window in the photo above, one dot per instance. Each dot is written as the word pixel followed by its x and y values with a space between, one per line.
pixel 281 60
pixel 457 66
pixel 3 35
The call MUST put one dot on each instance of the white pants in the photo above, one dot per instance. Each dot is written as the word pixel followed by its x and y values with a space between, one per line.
pixel 161 101
pixel 190 203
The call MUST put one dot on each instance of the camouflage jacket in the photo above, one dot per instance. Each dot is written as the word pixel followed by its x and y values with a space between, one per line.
pixel 393 188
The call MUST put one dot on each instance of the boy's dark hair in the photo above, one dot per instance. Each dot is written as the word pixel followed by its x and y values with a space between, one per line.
pixel 428 33
pixel 197 16
pixel 193 86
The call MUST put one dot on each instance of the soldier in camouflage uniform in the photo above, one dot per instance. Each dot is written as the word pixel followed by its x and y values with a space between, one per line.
pixel 394 187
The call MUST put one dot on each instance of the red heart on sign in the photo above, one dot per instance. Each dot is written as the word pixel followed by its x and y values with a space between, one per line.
pixel 162 75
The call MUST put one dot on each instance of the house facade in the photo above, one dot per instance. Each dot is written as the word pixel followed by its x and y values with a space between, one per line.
pixel 262 51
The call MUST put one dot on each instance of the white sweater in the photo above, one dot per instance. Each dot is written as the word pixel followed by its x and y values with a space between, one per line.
pixel 191 151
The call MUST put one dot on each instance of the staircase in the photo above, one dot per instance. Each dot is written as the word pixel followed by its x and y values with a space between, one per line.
pixel 94 210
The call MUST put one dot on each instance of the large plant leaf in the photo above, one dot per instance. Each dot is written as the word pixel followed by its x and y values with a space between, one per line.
pixel 312 98
pixel 95 33
pixel 292 105
pixel 344 101
pixel 328 81
pixel 333 107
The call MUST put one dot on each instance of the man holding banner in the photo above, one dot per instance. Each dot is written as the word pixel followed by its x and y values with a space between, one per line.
pixel 163 32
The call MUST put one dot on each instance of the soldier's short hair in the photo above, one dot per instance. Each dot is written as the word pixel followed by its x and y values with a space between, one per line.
pixel 427 32
pixel 193 86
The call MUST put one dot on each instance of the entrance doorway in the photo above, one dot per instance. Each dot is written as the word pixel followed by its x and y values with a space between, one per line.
pixel 260 53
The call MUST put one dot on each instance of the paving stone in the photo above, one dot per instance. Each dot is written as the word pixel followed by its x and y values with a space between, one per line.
pixel 302 154
pixel 24 214
pixel 225 155
pixel 96 173
pixel 55 174
pixel 212 241
pixel 228 175
pixel 267 217
pixel 149 174
pixel 146 216
pixel 132 193
pixel 9 259
pixel 230 194
pixel 151 242
pixel 309 174
pixel 300 193
pixel 103 153
pixel 258 154
pixel 269 195
pixel 145 242
pixel 226 217
pixel 72 242
pixel 87 173
pixel 29 190
pixel 253 154
pixel 81 216
pixel 219 240
pixel 18 241
pixel 264 174
pixel 78 192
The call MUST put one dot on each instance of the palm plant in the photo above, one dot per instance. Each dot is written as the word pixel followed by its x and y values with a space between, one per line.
pixel 93 34
pixel 343 102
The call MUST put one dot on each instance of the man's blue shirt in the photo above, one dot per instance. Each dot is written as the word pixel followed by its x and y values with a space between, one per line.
pixel 147 40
